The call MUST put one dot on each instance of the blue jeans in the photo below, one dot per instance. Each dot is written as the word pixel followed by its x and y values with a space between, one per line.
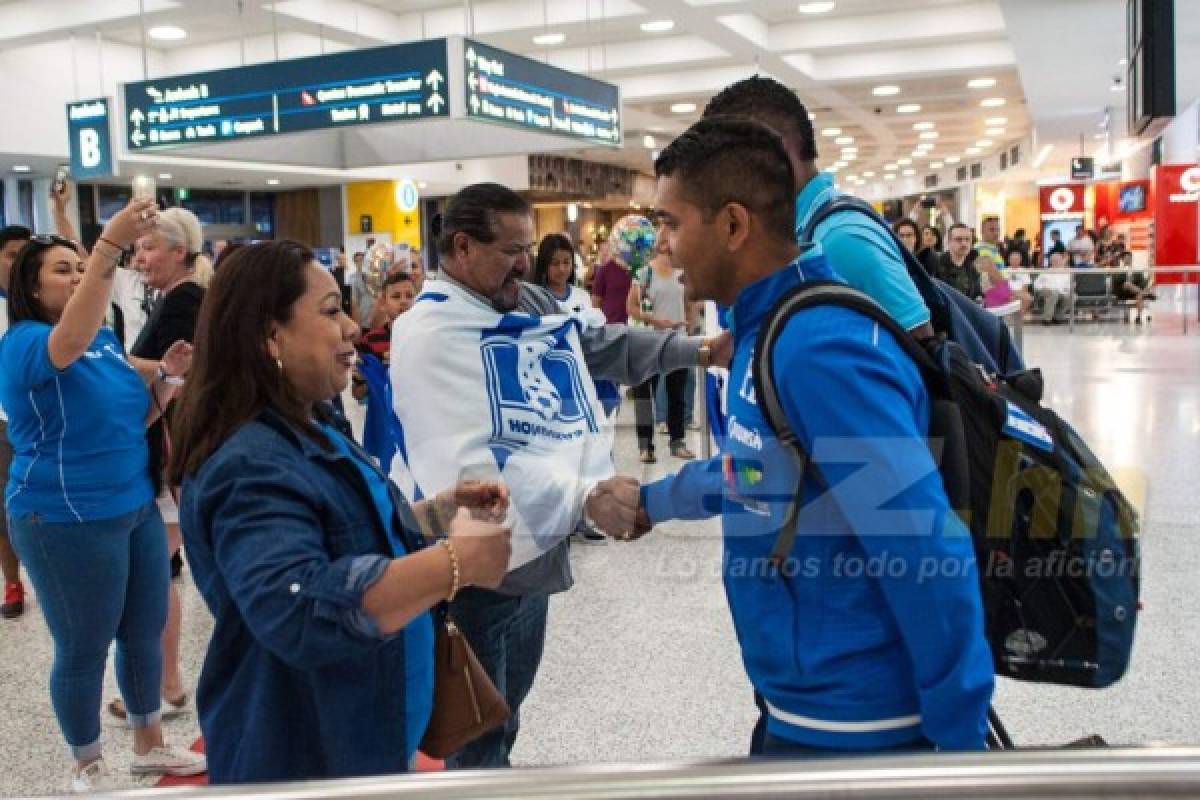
pixel 98 581
pixel 507 634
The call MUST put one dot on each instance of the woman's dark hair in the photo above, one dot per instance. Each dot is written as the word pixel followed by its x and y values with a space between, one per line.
pixel 551 244
pixel 937 237
pixel 473 211
pixel 229 249
pixel 23 279
pixel 233 377
pixel 905 222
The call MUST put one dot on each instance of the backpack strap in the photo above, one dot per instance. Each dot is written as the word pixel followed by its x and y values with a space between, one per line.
pixel 807 295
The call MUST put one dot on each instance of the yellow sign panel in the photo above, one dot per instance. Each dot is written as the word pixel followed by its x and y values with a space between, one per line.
pixel 381 200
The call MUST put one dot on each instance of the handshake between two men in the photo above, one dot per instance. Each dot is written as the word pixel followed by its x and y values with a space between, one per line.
pixel 614 506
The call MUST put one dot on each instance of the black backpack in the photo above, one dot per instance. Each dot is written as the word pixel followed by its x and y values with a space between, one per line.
pixel 1055 539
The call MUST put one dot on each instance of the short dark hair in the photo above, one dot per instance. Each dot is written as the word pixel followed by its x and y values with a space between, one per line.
pixel 397 277
pixel 473 211
pixel 1020 234
pixel 23 303
pixel 723 160
pixel 551 243
pixel 950 231
pixel 768 102
pixel 905 222
pixel 1055 233
pixel 14 233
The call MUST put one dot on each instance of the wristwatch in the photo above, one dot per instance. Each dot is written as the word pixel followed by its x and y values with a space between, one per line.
pixel 704 355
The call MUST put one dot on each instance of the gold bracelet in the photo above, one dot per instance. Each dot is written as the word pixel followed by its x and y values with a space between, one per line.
pixel 455 571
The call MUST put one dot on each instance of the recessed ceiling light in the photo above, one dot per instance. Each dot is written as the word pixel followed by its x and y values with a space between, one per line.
pixel 868 174
pixel 164 176
pixel 850 148
pixel 994 131
pixel 272 181
pixel 648 142
pixel 972 151
pixel 984 143
pixel 21 168
pixel 981 83
pixel 167 33
pixel 889 167
pixel 923 126
pixel 904 162
pixel 929 135
pixel 839 164
pixel 1117 87
pixel 849 156
pixel 844 140
pixel 422 185
pixel 908 173
pixel 1124 62
pixel 658 25
pixel 908 108
pixel 683 108
pixel 816 8
pixel 812 117
pixel 1100 136
pixel 953 159
pixel 885 91
pixel 654 155
pixel 993 122
pixel 993 102
pixel 936 165
pixel 831 132
pixel 549 39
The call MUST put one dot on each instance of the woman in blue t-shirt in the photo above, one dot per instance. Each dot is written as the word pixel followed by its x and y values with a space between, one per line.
pixel 80 504
pixel 314 567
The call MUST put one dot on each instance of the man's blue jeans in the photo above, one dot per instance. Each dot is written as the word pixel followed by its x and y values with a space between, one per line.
pixel 507 634
pixel 99 581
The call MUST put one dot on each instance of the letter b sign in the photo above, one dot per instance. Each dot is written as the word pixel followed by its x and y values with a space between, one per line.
pixel 89 148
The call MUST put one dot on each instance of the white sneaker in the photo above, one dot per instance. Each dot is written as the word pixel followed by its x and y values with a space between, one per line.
pixel 92 778
pixel 169 761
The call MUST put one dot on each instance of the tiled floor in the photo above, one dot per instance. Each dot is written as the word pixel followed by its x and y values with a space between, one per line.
pixel 641 664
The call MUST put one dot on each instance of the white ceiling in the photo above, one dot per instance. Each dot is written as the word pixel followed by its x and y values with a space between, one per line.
pixel 929 49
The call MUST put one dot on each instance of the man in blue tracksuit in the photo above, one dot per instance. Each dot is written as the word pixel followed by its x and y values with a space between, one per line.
pixel 871 636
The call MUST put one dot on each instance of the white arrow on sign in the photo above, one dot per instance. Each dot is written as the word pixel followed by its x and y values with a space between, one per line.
pixel 137 137
pixel 475 103
pixel 471 57
pixel 435 102
pixel 434 79
pixel 136 116
pixel 472 81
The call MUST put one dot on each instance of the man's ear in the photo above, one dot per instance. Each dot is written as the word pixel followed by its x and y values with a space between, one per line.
pixel 734 222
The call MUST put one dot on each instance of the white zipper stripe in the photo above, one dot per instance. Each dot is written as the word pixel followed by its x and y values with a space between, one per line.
pixel 874 726
pixel 62 477
pixel 36 454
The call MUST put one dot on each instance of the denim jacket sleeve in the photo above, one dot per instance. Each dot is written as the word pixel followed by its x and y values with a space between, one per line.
pixel 272 553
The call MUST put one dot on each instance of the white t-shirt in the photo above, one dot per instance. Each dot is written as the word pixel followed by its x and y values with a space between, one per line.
pixel 577 300
pixel 1082 250
pixel 129 293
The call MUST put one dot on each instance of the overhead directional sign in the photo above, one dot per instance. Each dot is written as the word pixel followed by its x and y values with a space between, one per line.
pixel 89 137
pixel 396 83
pixel 511 89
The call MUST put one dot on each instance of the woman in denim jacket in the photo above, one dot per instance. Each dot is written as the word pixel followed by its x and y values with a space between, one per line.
pixel 313 565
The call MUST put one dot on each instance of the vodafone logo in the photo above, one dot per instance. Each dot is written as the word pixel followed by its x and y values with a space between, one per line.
pixel 1062 198
pixel 1189 184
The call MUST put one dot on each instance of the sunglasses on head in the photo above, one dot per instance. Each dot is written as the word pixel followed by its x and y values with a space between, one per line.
pixel 52 240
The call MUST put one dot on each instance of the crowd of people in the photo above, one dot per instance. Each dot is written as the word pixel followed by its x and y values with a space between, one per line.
pixel 330 563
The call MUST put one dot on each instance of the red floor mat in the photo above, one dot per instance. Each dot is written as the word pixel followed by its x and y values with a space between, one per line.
pixel 424 764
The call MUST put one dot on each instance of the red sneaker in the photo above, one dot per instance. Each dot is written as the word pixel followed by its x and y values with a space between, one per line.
pixel 14 600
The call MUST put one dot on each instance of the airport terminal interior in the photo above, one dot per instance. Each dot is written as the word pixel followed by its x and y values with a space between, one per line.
pixel 1022 177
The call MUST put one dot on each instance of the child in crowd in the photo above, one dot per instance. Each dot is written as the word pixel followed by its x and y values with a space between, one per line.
pixel 397 296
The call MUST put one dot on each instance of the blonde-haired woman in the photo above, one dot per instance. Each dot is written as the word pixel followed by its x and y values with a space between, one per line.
pixel 172 262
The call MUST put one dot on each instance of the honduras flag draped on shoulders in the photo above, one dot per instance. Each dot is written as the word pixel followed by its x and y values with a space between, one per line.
pixel 489 395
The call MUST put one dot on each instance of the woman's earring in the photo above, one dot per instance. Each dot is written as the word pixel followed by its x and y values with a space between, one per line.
pixel 279 364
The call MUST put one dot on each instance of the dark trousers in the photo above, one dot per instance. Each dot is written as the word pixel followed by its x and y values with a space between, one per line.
pixel 643 406
pixel 507 634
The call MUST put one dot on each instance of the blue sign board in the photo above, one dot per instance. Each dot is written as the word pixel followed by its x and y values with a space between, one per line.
pixel 90 139
pixel 514 90
pixel 396 83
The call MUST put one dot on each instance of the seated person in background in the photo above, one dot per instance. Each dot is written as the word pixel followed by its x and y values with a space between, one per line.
pixel 1020 281
pixel 1082 248
pixel 1054 291
pixel 956 265
pixel 1135 286
pixel 1057 245
pixel 397 296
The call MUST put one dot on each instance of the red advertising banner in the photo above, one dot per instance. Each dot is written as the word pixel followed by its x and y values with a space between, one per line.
pixel 1176 217
pixel 1061 202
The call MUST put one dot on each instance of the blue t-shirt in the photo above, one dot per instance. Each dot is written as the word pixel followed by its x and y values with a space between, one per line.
pixel 418 634
pixel 868 258
pixel 78 435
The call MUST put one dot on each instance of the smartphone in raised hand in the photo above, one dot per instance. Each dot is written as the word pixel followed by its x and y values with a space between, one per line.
pixel 144 187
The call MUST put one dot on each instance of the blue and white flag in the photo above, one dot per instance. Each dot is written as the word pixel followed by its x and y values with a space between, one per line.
pixel 481 394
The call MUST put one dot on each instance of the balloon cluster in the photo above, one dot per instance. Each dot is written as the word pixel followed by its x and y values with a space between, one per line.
pixel 632 241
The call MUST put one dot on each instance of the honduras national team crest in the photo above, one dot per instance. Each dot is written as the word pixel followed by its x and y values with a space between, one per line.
pixel 534 386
